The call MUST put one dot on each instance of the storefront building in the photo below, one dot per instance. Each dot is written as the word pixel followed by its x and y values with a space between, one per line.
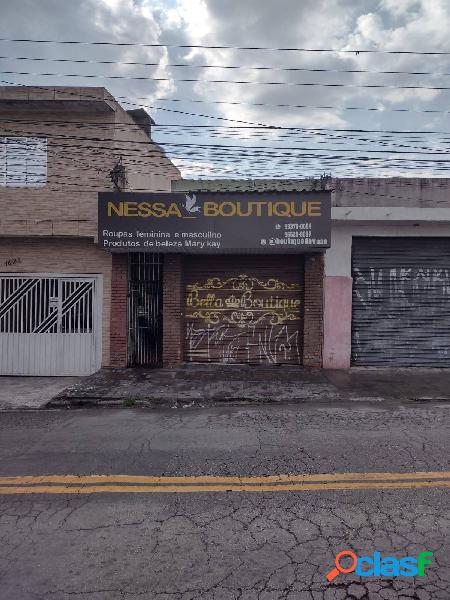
pixel 263 283
pixel 218 277
pixel 385 293
pixel 387 274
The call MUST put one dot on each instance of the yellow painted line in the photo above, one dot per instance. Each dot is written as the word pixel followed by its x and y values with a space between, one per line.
pixel 300 487
pixel 225 480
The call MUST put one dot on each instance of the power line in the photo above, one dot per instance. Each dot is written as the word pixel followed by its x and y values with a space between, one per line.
pixel 298 128
pixel 302 160
pixel 109 125
pixel 237 127
pixel 265 104
pixel 124 99
pixel 212 66
pixel 214 131
pixel 228 155
pixel 226 147
pixel 283 160
pixel 232 81
pixel 444 183
pixel 218 47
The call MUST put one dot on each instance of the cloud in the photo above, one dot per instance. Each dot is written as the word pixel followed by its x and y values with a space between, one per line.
pixel 86 20
pixel 383 25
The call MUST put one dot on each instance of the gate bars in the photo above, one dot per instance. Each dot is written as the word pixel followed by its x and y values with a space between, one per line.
pixel 145 309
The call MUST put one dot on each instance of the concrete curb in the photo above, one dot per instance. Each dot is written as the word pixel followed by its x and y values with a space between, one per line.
pixel 200 386
pixel 155 403
pixel 174 402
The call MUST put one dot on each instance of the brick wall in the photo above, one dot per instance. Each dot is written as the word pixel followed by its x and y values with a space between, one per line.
pixel 313 329
pixel 119 310
pixel 65 256
pixel 173 303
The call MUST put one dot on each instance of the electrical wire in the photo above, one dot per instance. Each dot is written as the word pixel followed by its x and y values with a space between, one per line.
pixel 381 109
pixel 218 47
pixel 237 127
pixel 438 166
pixel 230 67
pixel 228 146
pixel 124 100
pixel 232 81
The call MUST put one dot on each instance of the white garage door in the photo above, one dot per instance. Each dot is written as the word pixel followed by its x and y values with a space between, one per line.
pixel 49 324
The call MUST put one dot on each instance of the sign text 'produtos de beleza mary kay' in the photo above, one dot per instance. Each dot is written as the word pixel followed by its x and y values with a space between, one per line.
pixel 214 222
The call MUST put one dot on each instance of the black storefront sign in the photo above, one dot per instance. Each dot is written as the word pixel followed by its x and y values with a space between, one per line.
pixel 214 222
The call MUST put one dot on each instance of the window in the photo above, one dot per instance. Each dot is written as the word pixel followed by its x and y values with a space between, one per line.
pixel 23 161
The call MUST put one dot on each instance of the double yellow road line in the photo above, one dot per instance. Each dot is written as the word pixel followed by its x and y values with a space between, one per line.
pixel 95 484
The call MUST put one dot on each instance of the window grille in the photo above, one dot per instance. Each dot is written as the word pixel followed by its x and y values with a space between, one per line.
pixel 23 161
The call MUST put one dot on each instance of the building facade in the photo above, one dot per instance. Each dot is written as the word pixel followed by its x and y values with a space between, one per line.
pixel 387 274
pixel 383 296
pixel 377 296
pixel 269 305
pixel 58 148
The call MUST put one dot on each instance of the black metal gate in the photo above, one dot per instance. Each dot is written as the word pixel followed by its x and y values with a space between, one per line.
pixel 401 302
pixel 145 310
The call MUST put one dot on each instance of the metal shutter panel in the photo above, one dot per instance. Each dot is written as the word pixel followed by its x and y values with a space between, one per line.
pixel 401 302
pixel 244 309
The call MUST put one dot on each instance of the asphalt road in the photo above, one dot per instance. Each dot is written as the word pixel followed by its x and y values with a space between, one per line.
pixel 230 545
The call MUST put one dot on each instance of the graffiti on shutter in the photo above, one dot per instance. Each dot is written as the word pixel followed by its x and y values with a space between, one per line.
pixel 401 302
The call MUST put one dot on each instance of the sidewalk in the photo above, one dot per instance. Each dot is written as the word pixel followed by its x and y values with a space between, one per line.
pixel 31 392
pixel 206 385
pixel 203 385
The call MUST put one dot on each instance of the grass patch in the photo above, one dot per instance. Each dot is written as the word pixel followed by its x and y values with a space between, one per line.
pixel 129 402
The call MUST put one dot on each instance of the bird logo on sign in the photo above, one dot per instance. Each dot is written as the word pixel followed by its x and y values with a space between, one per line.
pixel 190 204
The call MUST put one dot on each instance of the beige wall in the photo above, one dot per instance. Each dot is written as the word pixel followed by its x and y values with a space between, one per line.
pixel 148 168
pixel 391 191
pixel 57 255
pixel 83 147
pixel 77 170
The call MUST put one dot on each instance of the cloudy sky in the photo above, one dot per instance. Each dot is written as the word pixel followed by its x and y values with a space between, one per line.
pixel 314 128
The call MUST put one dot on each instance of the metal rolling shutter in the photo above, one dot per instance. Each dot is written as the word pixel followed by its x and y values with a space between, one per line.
pixel 244 309
pixel 401 302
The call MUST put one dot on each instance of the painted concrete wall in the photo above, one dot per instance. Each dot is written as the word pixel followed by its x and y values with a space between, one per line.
pixel 391 191
pixel 64 256
pixel 84 144
pixel 337 322
pixel 338 281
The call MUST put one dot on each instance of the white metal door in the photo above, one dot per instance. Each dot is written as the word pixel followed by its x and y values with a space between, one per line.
pixel 49 324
